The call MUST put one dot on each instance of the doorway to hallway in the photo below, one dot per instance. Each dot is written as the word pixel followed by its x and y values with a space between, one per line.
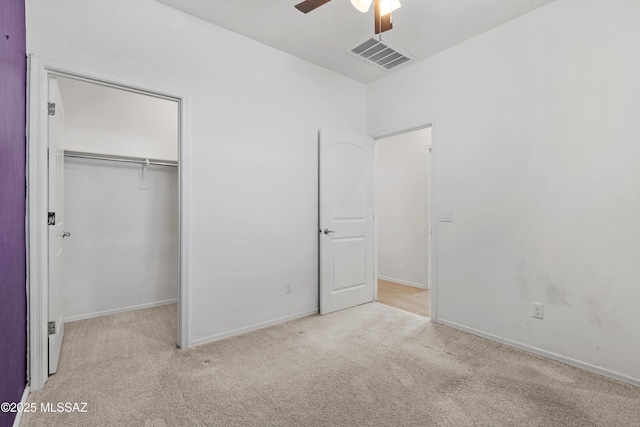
pixel 403 169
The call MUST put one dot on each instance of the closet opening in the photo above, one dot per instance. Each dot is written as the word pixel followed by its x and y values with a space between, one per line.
pixel 403 173
pixel 121 205
pixel 106 172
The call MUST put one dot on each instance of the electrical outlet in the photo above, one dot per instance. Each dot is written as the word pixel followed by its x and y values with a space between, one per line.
pixel 288 287
pixel 538 310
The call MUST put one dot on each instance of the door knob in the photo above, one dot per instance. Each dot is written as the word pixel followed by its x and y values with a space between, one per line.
pixel 66 234
pixel 327 231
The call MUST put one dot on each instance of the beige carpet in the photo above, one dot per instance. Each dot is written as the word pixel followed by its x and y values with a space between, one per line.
pixel 371 365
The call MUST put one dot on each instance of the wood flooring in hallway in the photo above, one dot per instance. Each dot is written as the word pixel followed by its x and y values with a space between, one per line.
pixel 403 297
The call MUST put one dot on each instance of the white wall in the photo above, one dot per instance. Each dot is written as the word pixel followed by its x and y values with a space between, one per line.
pixel 402 171
pixel 104 120
pixel 252 119
pixel 123 249
pixel 536 151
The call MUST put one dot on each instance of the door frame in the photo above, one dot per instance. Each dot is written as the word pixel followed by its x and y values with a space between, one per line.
pixel 37 206
pixel 432 224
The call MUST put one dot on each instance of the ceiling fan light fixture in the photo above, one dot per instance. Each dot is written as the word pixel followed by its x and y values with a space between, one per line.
pixel 388 6
pixel 362 5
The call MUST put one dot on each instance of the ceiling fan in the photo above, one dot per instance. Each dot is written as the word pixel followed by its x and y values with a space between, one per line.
pixel 381 9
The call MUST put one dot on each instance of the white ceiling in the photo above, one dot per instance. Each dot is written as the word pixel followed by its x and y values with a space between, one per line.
pixel 420 27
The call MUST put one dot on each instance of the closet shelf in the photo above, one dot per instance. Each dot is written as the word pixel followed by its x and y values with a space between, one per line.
pixel 123 159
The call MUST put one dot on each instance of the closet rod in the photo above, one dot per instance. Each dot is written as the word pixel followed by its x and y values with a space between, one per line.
pixel 124 159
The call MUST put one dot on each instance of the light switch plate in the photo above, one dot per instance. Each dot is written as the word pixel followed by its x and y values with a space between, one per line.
pixel 446 216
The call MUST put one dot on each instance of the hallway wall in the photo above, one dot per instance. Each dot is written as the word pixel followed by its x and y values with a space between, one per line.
pixel 402 208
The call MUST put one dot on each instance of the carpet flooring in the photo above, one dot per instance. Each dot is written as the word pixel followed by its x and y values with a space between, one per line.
pixel 371 365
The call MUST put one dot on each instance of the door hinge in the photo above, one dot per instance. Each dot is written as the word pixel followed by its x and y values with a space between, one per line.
pixel 51 108
pixel 51 219
pixel 52 328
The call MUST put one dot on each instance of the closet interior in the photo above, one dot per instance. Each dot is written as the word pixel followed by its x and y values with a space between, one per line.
pixel 121 200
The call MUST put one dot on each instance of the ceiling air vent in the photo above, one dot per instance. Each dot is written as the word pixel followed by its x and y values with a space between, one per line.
pixel 380 53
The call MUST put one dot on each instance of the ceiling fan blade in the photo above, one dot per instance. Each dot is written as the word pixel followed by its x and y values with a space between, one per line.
pixel 309 5
pixel 382 23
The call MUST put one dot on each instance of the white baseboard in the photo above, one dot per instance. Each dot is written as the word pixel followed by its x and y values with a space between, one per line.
pixel 245 329
pixel 18 418
pixel 118 310
pixel 540 352
pixel 402 282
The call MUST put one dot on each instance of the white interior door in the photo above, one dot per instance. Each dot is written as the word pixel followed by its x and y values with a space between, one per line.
pixel 56 223
pixel 346 220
